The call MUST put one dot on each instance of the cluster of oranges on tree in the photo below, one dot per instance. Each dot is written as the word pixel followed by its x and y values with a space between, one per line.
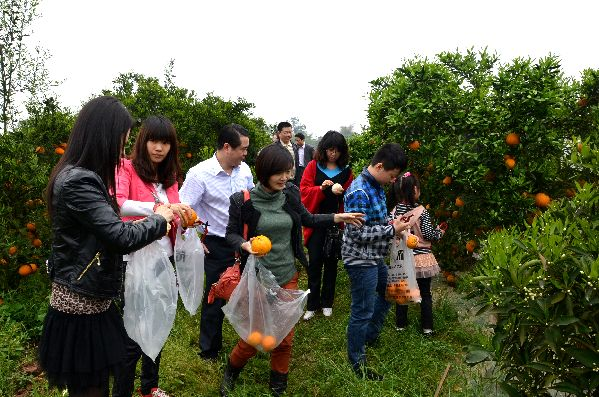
pixel 541 199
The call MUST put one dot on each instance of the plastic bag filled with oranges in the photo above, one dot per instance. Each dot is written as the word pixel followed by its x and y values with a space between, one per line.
pixel 261 312
pixel 402 287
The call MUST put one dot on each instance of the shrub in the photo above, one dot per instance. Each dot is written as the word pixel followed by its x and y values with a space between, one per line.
pixel 542 284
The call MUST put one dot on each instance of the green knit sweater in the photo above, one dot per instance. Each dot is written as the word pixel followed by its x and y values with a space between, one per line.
pixel 276 224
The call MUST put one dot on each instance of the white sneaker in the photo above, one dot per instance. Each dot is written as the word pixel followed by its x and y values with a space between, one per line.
pixel 309 314
pixel 327 311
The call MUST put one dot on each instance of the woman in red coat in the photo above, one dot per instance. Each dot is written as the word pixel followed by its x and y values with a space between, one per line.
pixel 323 183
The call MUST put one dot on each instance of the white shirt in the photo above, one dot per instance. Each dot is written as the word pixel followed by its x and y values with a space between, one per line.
pixel 300 155
pixel 207 189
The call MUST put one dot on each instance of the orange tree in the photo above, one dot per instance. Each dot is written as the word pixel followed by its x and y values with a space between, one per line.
pixel 483 137
pixel 198 120
pixel 29 153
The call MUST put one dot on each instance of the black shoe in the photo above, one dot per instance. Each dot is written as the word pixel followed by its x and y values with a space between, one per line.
pixel 208 355
pixel 229 378
pixel 278 383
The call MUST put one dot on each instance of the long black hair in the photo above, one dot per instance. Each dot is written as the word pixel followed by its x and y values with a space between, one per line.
pixel 157 128
pixel 96 142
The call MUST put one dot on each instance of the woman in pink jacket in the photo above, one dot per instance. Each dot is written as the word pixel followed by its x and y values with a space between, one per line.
pixel 149 179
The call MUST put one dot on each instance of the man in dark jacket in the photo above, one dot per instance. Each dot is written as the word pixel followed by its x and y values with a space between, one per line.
pixel 303 155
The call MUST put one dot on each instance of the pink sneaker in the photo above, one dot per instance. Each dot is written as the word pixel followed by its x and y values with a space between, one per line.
pixel 155 392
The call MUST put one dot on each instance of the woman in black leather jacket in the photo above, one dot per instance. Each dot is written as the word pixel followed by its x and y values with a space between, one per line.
pixel 83 335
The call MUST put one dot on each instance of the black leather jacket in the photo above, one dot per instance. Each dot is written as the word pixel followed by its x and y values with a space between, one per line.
pixel 90 237
pixel 241 212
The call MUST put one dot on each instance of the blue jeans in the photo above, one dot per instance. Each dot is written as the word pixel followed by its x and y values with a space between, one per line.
pixel 368 309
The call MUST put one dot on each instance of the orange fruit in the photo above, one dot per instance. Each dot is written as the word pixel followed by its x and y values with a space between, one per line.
pixel 40 150
pixel 512 139
pixel 542 200
pixel 510 163
pixel 12 250
pixel 25 270
pixel 414 145
pixel 37 243
pixel 412 241
pixel 254 338
pixel 188 155
pixel 191 218
pixel 470 246
pixel 459 202
pixel 63 145
pixel 447 181
pixel 261 245
pixel 268 343
pixel 30 226
pixel 34 267
pixel 451 278
pixel 59 151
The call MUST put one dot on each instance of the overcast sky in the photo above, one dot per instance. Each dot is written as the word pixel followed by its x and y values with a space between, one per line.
pixel 309 59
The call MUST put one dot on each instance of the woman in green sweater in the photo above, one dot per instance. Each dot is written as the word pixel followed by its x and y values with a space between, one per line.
pixel 275 211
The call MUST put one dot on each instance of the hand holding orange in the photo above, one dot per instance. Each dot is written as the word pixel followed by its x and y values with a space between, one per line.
pixel 261 245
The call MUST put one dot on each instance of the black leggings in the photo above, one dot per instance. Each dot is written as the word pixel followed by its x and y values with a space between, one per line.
pixel 321 294
pixel 426 306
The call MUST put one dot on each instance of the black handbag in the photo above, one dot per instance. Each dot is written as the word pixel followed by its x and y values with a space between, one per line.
pixel 332 242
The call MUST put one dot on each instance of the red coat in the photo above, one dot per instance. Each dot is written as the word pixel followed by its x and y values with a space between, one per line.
pixel 312 195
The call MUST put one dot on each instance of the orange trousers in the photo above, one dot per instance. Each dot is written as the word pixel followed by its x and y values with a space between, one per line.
pixel 279 357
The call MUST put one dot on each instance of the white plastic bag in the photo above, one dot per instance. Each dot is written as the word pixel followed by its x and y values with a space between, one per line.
pixel 402 286
pixel 150 298
pixel 261 312
pixel 189 262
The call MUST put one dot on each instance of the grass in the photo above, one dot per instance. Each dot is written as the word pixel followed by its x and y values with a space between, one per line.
pixel 411 363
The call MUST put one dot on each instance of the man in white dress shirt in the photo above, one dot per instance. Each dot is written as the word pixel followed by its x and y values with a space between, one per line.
pixel 207 188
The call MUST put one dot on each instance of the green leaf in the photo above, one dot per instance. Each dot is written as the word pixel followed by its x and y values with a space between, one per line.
pixel 510 390
pixel 587 357
pixel 476 356
pixel 568 387
pixel 565 320
pixel 558 298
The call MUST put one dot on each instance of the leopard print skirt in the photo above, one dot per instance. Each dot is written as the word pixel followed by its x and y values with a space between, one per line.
pixel 67 301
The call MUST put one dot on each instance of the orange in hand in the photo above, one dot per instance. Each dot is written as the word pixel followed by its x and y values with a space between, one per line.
pixel 268 343
pixel 261 245
pixel 412 241
pixel 190 219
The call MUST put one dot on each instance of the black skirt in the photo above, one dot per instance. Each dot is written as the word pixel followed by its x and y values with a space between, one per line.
pixel 79 351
